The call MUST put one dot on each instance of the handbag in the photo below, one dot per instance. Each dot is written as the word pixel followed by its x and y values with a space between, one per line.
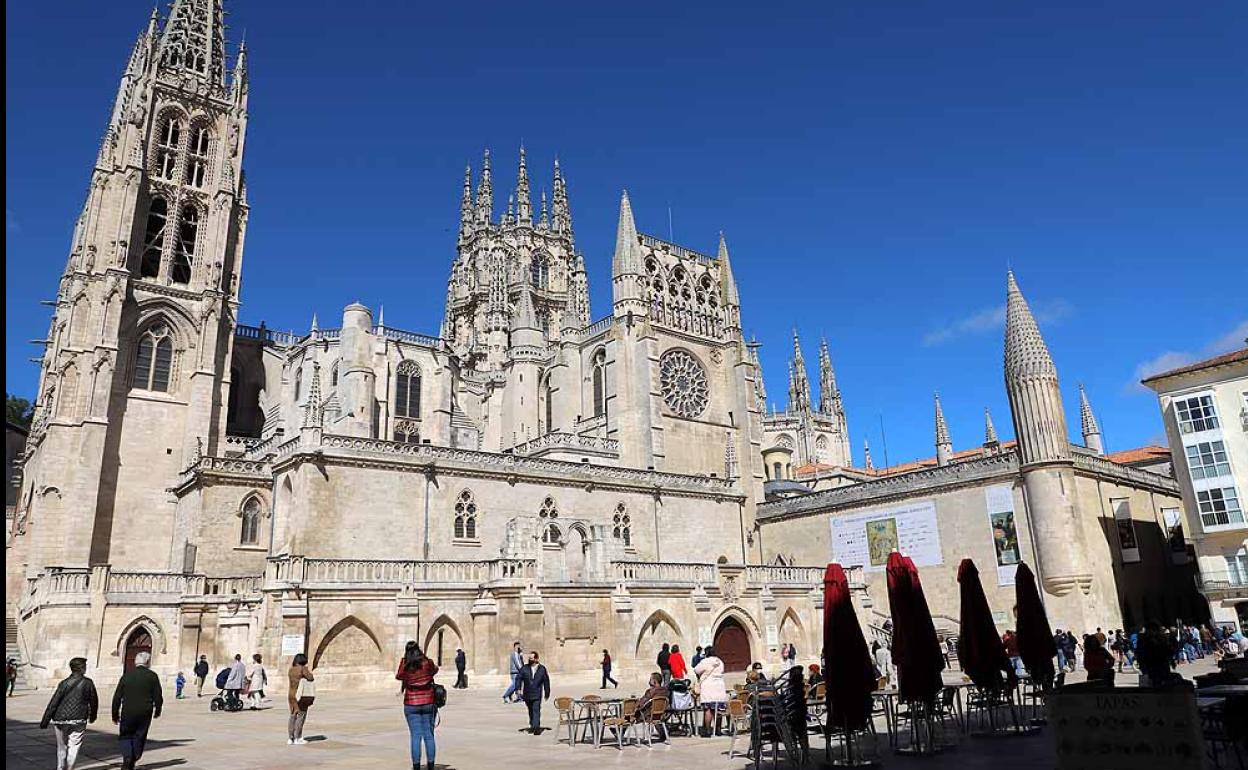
pixel 439 696
pixel 306 689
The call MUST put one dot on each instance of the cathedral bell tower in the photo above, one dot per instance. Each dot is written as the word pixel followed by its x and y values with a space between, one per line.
pixel 134 375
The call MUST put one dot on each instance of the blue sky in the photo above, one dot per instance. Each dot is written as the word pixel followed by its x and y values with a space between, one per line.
pixel 876 166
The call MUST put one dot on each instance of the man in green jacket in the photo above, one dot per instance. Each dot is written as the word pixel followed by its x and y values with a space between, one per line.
pixel 136 703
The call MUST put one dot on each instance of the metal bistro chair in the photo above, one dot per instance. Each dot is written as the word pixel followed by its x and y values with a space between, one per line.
pixel 567 719
pixel 619 723
pixel 738 724
pixel 592 710
pixel 652 720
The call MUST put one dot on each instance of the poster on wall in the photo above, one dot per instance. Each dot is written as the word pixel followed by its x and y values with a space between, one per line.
pixel 1128 545
pixel 866 539
pixel 1000 501
pixel 292 644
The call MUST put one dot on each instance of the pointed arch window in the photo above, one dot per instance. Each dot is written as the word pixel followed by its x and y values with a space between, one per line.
pixel 333 376
pixel 465 516
pixel 184 247
pixel 407 390
pixel 67 406
pixel 622 526
pixel 167 147
pixel 600 383
pixel 539 272
pixel 154 237
pixel 197 159
pixel 546 520
pixel 153 363
pixel 249 533
pixel 549 394
pixel 298 382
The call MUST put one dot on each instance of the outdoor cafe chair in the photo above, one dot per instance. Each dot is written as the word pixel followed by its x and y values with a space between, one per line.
pixel 567 719
pixel 619 723
pixel 652 719
pixel 738 724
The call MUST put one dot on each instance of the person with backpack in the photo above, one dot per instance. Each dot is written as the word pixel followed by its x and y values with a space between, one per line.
pixel 299 696
pixel 201 675
pixel 73 705
pixel 420 709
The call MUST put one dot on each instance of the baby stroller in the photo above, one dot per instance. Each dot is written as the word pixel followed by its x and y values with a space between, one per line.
pixel 226 700
pixel 680 699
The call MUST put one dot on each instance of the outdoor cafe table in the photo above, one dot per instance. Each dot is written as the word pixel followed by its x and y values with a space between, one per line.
pixel 594 711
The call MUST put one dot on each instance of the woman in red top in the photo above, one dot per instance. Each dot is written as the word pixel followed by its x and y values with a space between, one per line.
pixel 677 663
pixel 416 672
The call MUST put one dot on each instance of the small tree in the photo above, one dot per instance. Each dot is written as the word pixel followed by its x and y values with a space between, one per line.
pixel 17 410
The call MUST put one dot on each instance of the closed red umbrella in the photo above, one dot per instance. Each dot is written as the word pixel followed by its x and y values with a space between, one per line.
pixel 850 678
pixel 980 650
pixel 1035 637
pixel 916 649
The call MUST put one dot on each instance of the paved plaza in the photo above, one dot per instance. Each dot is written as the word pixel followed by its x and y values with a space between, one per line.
pixel 478 731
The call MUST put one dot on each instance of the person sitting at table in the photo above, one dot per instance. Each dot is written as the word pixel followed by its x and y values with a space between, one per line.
pixel 1098 662
pixel 814 678
pixel 755 675
pixel 655 690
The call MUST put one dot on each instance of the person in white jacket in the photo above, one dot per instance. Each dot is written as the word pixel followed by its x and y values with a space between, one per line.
pixel 257 678
pixel 883 658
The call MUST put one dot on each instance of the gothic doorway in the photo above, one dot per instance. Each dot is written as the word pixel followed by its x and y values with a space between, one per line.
pixel 732 645
pixel 140 641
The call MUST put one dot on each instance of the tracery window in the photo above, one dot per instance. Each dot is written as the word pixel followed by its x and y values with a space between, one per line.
pixel 407 390
pixel 154 237
pixel 549 394
pixel 546 516
pixel 465 516
pixel 539 272
pixel 184 246
pixel 600 384
pixel 333 376
pixel 622 526
pixel 167 147
pixel 197 160
pixel 682 381
pixel 153 363
pixel 298 381
pixel 249 533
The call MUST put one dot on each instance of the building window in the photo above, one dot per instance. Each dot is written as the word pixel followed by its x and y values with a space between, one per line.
pixel 407 432
pixel 465 517
pixel 1196 414
pixel 333 376
pixel 539 272
pixel 407 390
pixel 600 384
pixel 184 248
pixel 154 361
pixel 550 407
pixel 154 237
pixel 1237 568
pixel 621 526
pixel 250 532
pixel 1219 507
pixel 1207 460
pixel 299 381
pixel 167 149
pixel 546 519
pixel 197 165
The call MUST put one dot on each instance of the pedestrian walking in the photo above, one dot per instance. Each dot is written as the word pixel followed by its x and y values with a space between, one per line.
pixel 136 702
pixel 257 678
pixel 792 655
pixel 300 694
pixel 534 687
pixel 178 683
pixel 74 704
pixel 710 688
pixel 416 672
pixel 201 675
pixel 606 671
pixel 236 680
pixel 461 669
pixel 697 657
pixel 676 663
pixel 664 661
pixel 514 664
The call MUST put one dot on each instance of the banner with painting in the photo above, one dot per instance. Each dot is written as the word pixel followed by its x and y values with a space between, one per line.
pixel 1128 544
pixel 868 538
pixel 1000 500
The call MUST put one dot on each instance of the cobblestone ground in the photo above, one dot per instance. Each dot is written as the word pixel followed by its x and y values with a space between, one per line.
pixel 478 731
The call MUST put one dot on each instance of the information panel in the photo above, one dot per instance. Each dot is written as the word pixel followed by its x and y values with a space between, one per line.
pixel 868 538
pixel 1000 500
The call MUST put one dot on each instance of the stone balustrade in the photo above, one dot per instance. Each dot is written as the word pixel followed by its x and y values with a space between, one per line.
pixel 654 572
pixel 597 327
pixel 147 583
pixel 570 442
pixel 398 573
pixel 67 581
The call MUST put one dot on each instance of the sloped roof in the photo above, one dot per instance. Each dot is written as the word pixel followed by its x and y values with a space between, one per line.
pixel 1234 357
pixel 1143 454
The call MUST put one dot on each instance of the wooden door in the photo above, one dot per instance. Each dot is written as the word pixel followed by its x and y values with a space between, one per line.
pixel 139 641
pixel 732 645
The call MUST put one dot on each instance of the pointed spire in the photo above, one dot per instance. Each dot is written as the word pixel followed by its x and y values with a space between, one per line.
pixel 465 204
pixel 313 411
pixel 760 388
pixel 381 315
pixel 524 317
pixel 866 454
pixel 153 23
pixel 1025 351
pixel 990 431
pixel 1087 421
pixel 560 211
pixel 544 221
pixel 238 78
pixel 799 395
pixel 524 201
pixel 728 281
pixel 626 261
pixel 485 192
pixel 1032 384
pixel 316 327
pixel 193 41
pixel 829 392
pixel 944 446
pixel 730 458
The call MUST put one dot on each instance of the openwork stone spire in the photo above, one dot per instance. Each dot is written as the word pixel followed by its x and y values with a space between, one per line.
pixel 866 454
pixel 799 392
pixel 730 458
pixel 1032 385
pixel 1091 430
pixel 944 445
pixel 829 393
pixel 193 42
pixel 314 410
pixel 465 205
pixel 485 192
pixel 990 431
pixel 760 389
pixel 561 211
pixel 524 200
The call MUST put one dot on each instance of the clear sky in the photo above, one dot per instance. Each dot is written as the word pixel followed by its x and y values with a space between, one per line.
pixel 876 166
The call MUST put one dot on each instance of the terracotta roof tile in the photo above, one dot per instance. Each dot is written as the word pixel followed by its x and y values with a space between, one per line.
pixel 1139 454
pixel 1234 356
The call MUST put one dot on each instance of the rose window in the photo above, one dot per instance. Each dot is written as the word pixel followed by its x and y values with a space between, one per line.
pixel 682 380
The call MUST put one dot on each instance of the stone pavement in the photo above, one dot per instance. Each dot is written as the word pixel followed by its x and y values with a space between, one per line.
pixel 478 731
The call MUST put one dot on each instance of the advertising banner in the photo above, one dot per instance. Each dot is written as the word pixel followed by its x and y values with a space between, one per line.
pixel 1000 500
pixel 867 538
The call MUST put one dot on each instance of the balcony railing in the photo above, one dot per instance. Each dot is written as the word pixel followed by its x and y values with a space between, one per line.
pixel 1223 583
pixel 655 572
pixel 399 573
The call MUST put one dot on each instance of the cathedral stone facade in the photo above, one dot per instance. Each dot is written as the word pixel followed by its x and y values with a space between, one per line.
pixel 194 485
